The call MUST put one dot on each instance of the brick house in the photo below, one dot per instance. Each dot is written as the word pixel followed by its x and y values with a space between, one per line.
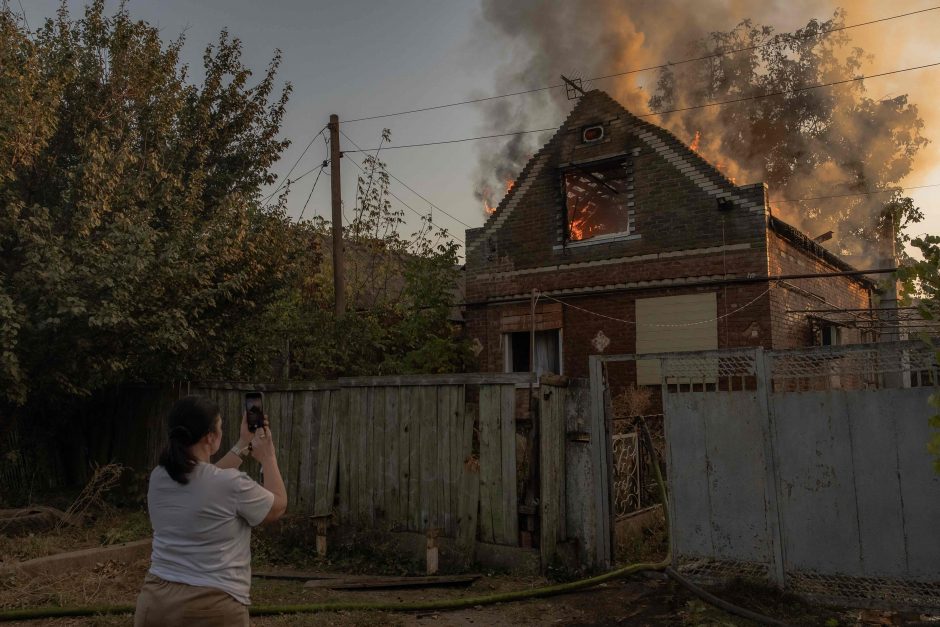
pixel 636 244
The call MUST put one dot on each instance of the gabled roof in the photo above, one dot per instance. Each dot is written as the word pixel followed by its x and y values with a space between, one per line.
pixel 702 173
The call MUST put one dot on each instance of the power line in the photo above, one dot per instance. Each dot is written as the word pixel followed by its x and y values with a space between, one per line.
pixel 291 171
pixel 666 326
pixel 454 218
pixel 679 109
pixel 689 108
pixel 643 69
pixel 412 209
pixel 869 193
pixel 310 195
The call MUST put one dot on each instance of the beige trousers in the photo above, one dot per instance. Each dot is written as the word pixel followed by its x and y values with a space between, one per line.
pixel 168 604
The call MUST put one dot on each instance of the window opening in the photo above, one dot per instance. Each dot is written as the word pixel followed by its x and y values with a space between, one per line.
pixel 547 352
pixel 597 200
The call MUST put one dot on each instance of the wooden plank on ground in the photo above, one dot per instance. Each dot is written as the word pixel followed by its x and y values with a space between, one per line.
pixel 490 458
pixel 392 482
pixel 509 531
pixel 551 469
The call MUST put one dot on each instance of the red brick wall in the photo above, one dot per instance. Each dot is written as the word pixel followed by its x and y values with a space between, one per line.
pixel 747 323
pixel 672 211
pixel 792 330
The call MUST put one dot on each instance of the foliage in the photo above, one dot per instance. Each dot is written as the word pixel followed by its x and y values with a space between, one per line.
pixel 399 294
pixel 924 276
pixel 826 144
pixel 130 232
pixel 134 245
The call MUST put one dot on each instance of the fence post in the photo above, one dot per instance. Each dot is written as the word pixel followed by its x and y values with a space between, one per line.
pixel 600 466
pixel 552 394
pixel 764 377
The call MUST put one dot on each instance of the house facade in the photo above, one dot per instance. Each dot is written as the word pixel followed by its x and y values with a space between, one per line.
pixel 627 241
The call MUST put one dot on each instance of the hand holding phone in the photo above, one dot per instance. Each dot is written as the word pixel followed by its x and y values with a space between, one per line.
pixel 254 410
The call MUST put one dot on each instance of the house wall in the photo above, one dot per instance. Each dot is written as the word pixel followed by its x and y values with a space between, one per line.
pixel 743 326
pixel 674 200
pixel 792 330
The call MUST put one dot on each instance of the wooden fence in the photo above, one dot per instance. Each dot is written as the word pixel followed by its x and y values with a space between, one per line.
pixel 409 453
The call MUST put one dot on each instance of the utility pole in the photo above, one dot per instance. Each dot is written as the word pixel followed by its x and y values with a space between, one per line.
pixel 336 193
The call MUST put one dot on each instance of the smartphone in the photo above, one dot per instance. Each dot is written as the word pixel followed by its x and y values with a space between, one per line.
pixel 254 410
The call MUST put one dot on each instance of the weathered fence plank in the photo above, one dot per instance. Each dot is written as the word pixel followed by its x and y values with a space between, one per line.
pixel 414 457
pixel 390 477
pixel 490 460
pixel 428 449
pixel 510 529
pixel 379 453
pixel 551 469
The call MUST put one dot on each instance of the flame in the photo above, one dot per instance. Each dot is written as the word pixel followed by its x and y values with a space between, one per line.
pixel 695 141
pixel 577 228
pixel 488 209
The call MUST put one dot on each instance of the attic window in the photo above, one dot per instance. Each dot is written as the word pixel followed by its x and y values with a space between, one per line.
pixel 590 134
pixel 598 200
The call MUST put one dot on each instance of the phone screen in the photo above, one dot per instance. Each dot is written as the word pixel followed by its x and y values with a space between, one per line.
pixel 254 409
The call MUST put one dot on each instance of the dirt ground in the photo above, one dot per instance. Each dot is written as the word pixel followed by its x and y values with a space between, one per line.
pixel 638 600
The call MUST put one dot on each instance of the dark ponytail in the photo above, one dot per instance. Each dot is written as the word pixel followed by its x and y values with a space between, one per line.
pixel 190 419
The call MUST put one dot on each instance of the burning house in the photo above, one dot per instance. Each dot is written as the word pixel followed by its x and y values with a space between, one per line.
pixel 616 237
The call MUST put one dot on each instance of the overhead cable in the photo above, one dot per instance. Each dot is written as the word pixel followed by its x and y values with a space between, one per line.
pixel 451 216
pixel 643 69
pixel 706 105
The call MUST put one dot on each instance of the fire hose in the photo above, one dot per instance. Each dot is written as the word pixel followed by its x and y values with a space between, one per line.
pixel 445 604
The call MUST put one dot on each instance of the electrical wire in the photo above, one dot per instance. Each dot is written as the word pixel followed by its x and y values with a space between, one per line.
pixel 644 69
pixel 665 326
pixel 310 195
pixel 405 185
pixel 706 105
pixel 412 209
pixel 293 167
pixel 869 193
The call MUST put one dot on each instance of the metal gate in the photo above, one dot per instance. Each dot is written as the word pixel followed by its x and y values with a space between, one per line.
pixel 804 468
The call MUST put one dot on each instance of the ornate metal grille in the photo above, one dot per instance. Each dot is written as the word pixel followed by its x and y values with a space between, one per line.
pixel 627 497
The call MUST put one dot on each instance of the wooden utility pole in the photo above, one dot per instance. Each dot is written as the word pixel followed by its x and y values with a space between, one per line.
pixel 337 195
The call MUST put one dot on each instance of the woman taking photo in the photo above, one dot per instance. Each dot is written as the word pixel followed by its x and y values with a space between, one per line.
pixel 202 514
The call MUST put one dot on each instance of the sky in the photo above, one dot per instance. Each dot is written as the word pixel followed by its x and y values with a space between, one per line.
pixel 358 58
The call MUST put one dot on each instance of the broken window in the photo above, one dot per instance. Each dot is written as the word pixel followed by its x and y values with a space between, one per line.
pixel 598 200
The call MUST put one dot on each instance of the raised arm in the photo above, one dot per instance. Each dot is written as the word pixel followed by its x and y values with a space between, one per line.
pixel 263 450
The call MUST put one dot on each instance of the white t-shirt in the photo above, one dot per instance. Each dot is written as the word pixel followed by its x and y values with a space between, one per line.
pixel 202 530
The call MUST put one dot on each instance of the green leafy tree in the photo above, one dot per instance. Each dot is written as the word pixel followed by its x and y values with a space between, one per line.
pixel 131 234
pixel 804 143
pixel 923 278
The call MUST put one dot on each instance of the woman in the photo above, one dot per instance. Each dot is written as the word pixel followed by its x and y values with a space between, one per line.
pixel 202 514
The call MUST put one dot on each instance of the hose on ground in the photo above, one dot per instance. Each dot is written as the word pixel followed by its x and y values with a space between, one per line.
pixel 440 605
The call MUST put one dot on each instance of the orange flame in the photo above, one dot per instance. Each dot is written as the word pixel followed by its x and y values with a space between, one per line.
pixel 488 209
pixel 695 141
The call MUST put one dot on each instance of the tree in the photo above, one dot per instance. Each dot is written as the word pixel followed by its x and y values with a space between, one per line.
pixel 803 143
pixel 400 293
pixel 923 278
pixel 131 233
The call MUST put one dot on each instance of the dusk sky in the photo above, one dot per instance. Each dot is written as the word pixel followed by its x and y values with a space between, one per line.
pixel 359 58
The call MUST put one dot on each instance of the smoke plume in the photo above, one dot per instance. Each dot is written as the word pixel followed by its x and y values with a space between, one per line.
pixel 869 143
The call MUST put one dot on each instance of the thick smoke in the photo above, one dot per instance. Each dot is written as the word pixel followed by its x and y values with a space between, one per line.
pixel 544 39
